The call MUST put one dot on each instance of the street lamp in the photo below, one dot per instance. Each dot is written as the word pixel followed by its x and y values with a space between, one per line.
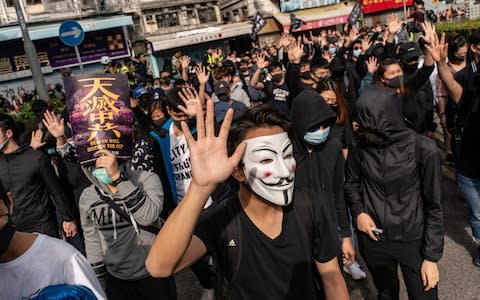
pixel 31 54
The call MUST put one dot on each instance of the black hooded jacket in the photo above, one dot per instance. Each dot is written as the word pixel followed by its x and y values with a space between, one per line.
pixel 29 175
pixel 394 175
pixel 321 169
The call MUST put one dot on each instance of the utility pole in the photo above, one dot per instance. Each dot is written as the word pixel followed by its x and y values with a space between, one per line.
pixel 32 55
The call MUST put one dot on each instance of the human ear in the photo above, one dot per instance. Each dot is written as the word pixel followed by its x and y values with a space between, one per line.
pixel 238 174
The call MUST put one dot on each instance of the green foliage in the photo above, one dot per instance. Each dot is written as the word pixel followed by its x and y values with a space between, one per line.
pixel 26 113
pixel 459 27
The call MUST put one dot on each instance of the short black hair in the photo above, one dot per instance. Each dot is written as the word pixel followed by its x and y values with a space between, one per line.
pixel 454 43
pixel 7 122
pixel 474 38
pixel 262 116
pixel 275 64
pixel 173 99
pixel 319 63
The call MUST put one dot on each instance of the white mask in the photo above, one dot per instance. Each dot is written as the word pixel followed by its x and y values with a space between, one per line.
pixel 269 166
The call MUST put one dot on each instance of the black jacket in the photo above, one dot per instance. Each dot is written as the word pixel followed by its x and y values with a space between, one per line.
pixel 394 175
pixel 322 169
pixel 29 175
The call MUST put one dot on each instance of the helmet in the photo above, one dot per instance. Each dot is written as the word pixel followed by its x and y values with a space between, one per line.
pixel 105 60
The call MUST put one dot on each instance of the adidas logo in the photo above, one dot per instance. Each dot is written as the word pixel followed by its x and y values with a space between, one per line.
pixel 232 243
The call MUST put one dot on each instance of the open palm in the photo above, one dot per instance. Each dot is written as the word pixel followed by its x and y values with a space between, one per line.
pixel 208 153
pixel 54 126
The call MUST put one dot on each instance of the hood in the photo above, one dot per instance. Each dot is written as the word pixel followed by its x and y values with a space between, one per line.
pixel 379 110
pixel 309 109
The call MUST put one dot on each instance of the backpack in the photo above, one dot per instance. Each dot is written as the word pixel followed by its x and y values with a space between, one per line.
pixel 231 241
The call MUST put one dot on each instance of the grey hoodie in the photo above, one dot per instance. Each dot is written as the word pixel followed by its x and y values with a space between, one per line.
pixel 111 241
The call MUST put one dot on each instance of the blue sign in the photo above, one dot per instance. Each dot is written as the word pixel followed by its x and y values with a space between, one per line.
pixel 71 33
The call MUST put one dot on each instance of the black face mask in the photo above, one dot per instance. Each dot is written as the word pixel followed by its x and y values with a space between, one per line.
pixel 158 123
pixel 6 236
pixel 334 107
pixel 409 69
pixel 395 82
pixel 459 58
pixel 277 78
pixel 192 123
pixel 145 102
pixel 306 75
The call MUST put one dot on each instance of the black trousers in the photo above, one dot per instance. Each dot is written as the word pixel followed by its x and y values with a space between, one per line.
pixel 382 259
pixel 146 289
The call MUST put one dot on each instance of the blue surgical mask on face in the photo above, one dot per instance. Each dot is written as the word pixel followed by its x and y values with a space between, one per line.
pixel 317 137
pixel 357 52
pixel 332 50
pixel 102 175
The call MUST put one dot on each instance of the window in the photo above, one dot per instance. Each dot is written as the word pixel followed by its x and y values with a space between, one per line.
pixel 207 15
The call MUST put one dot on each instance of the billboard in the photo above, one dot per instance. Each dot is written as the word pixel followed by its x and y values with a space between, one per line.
pixel 292 5
pixel 98 106
pixel 53 54
pixel 371 6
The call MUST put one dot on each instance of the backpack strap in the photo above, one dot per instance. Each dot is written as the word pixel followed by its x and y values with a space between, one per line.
pixel 113 205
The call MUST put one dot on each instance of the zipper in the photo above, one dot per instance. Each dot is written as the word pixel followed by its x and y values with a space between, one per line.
pixel 384 195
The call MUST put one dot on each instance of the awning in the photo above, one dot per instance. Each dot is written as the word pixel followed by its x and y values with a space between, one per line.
pixel 197 36
pixel 38 32
pixel 271 26
pixel 317 17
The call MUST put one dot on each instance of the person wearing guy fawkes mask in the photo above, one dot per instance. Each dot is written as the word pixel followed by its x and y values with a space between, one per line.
pixel 176 160
pixel 265 238
pixel 320 161
pixel 418 107
pixel 26 257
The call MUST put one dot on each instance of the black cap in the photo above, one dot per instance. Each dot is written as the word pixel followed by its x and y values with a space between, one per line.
pixel 221 87
pixel 409 51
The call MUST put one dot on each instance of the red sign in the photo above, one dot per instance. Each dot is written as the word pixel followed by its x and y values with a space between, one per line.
pixel 371 6
pixel 320 23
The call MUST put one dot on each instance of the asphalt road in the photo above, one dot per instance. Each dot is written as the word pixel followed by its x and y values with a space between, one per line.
pixel 459 279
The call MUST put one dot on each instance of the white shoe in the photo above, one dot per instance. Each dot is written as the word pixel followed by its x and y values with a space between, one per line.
pixel 208 294
pixel 355 271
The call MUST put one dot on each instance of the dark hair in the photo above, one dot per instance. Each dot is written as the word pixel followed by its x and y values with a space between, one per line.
pixel 162 105
pixel 275 64
pixel 319 63
pixel 330 85
pixel 173 99
pixel 7 122
pixel 223 71
pixel 474 38
pixel 262 116
pixel 382 68
pixel 454 43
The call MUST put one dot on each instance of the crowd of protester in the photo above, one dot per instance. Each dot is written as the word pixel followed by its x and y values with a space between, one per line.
pixel 264 172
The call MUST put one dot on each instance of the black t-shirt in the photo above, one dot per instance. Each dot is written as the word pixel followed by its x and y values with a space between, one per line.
pixel 343 133
pixel 468 162
pixel 278 96
pixel 279 268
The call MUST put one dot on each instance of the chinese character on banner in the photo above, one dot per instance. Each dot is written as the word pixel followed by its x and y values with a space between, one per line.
pixel 99 111
pixel 5 65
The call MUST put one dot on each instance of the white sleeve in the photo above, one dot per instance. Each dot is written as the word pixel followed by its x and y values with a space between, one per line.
pixel 79 272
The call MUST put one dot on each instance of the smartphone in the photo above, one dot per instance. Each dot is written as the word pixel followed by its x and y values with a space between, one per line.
pixel 378 233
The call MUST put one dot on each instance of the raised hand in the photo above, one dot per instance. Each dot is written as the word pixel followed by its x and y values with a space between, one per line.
pixel 191 100
pixel 430 32
pixel 366 43
pixel 438 49
pixel 372 65
pixel 295 51
pixel 36 141
pixel 55 127
pixel 328 56
pixel 185 62
pixel 208 154
pixel 394 23
pixel 262 62
pixel 202 74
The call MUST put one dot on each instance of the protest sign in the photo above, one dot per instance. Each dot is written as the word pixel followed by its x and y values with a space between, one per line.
pixel 98 106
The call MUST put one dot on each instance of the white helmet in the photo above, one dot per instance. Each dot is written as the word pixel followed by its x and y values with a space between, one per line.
pixel 105 60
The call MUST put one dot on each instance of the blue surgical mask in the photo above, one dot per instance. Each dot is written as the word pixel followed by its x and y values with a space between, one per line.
pixel 332 50
pixel 317 137
pixel 357 52
pixel 102 175
pixel 238 85
pixel 2 145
